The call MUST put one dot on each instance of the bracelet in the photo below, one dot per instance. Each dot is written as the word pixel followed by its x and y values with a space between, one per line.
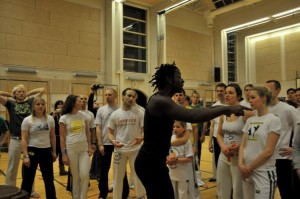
pixel 113 141
pixel 63 152
pixel 25 156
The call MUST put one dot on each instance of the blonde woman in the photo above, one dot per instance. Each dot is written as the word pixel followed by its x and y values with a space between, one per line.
pixel 39 147
pixel 257 159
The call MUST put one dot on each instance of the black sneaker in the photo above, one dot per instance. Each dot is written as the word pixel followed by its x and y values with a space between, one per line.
pixel 212 180
pixel 93 177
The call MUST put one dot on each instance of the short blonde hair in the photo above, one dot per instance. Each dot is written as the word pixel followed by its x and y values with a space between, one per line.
pixel 20 86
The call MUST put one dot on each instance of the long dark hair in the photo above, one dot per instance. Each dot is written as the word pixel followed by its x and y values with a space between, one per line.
pixel 58 102
pixel 69 104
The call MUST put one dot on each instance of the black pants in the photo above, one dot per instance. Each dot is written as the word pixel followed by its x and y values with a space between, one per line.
pixel 285 178
pixel 42 157
pixel 217 150
pixel 105 162
pixel 95 165
pixel 154 174
pixel 58 150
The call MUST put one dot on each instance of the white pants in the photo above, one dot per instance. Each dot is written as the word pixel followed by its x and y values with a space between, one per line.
pixel 184 189
pixel 229 178
pixel 14 152
pixel 120 163
pixel 260 185
pixel 79 162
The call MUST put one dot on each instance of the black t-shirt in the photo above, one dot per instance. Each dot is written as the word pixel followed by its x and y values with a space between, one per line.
pixel 17 113
pixel 157 135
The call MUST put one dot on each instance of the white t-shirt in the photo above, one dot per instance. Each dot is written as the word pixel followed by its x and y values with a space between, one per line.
pixel 102 118
pixel 38 130
pixel 181 171
pixel 245 103
pixel 257 129
pixel 289 118
pixel 75 128
pixel 90 118
pixel 127 125
pixel 217 119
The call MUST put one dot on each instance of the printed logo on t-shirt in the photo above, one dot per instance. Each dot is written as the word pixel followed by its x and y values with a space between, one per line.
pixel 22 109
pixel 254 126
pixel 76 126
pixel 127 121
pixel 173 153
pixel 41 127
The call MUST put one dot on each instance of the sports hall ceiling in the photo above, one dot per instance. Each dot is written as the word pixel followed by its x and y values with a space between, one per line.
pixel 200 6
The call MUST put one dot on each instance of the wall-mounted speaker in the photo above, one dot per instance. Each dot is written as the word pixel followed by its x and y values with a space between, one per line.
pixel 217 74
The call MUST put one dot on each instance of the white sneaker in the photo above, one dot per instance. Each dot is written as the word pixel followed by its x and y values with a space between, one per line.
pixel 110 188
pixel 200 183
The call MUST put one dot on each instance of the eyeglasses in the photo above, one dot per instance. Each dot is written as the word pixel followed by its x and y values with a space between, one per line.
pixel 39 104
pixel 83 98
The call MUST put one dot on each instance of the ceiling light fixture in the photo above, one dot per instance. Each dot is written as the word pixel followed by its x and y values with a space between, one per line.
pixel 286 13
pixel 174 7
pixel 263 20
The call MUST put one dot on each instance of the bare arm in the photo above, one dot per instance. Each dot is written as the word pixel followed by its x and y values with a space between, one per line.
pixel 6 94
pixel 53 142
pixel 220 138
pixel 88 137
pixel 53 139
pixel 24 145
pixel 245 172
pixel 24 142
pixel 3 97
pixel 63 134
pixel 159 105
pixel 211 133
pixel 202 138
pixel 182 140
pixel 93 136
pixel 99 138
pixel 38 92
pixel 184 160
pixel 196 138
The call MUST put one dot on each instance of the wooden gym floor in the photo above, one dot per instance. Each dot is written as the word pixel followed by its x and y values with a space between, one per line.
pixel 61 181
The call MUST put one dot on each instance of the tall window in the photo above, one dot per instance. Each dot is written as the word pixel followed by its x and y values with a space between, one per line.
pixel 231 56
pixel 134 39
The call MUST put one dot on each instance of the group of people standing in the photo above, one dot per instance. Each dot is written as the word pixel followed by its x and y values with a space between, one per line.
pixel 255 145
pixel 253 153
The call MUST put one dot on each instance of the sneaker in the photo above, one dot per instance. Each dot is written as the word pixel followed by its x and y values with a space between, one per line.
pixel 212 180
pixel 200 183
pixel 110 188
pixel 93 177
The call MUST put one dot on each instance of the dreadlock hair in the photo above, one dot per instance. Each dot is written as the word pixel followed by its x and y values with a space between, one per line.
pixel 159 79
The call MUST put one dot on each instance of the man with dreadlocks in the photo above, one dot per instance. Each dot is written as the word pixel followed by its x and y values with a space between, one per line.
pixel 160 113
